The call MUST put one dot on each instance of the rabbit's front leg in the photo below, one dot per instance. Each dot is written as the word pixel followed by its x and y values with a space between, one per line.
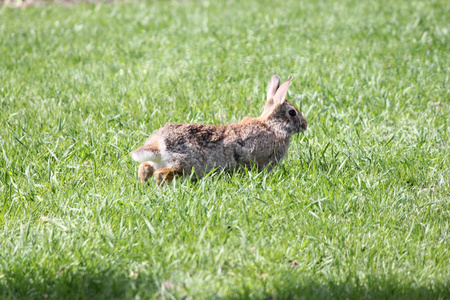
pixel 166 175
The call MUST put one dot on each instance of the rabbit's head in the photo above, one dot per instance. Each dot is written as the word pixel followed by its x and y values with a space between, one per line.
pixel 280 113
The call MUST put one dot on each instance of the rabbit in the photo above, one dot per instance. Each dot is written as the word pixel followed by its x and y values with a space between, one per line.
pixel 180 149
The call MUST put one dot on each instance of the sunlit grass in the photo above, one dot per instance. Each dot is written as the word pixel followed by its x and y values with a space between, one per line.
pixel 359 208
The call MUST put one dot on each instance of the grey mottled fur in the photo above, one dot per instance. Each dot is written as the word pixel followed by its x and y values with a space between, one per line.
pixel 263 141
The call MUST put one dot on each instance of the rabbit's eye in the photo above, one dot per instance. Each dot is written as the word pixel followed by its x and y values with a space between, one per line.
pixel 292 112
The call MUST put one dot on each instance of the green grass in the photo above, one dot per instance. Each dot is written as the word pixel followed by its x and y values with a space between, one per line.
pixel 359 209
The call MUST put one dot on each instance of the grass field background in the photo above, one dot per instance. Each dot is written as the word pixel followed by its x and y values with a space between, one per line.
pixel 359 209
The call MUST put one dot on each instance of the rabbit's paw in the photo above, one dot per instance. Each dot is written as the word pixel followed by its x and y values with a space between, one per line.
pixel 145 172
pixel 166 175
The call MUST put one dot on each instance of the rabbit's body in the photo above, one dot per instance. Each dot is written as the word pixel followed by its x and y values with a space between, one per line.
pixel 204 147
pixel 183 148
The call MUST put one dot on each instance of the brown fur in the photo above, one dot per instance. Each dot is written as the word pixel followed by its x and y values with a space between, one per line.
pixel 145 172
pixel 177 149
pixel 166 175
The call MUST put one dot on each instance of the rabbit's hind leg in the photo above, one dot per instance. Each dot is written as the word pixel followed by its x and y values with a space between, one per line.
pixel 166 175
pixel 145 172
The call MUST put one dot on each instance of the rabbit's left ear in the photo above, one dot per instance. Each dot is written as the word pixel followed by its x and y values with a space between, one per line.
pixel 280 95
pixel 274 83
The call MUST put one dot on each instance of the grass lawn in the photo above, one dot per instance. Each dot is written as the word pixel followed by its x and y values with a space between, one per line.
pixel 359 209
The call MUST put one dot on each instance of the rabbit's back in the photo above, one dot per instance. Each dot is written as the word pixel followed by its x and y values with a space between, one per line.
pixel 179 149
pixel 204 147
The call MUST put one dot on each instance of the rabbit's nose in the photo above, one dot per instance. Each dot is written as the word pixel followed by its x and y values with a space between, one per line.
pixel 304 124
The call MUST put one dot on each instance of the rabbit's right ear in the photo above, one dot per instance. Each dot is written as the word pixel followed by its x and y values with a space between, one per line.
pixel 274 83
pixel 280 95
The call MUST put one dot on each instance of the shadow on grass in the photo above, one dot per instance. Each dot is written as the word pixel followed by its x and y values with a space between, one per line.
pixel 111 285
pixel 373 288
pixel 97 284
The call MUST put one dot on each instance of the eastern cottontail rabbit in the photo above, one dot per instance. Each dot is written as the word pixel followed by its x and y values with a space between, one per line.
pixel 179 149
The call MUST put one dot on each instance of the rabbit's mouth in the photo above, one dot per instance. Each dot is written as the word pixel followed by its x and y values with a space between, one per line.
pixel 304 125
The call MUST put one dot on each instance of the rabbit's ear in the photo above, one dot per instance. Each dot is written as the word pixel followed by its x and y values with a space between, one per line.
pixel 274 83
pixel 280 95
